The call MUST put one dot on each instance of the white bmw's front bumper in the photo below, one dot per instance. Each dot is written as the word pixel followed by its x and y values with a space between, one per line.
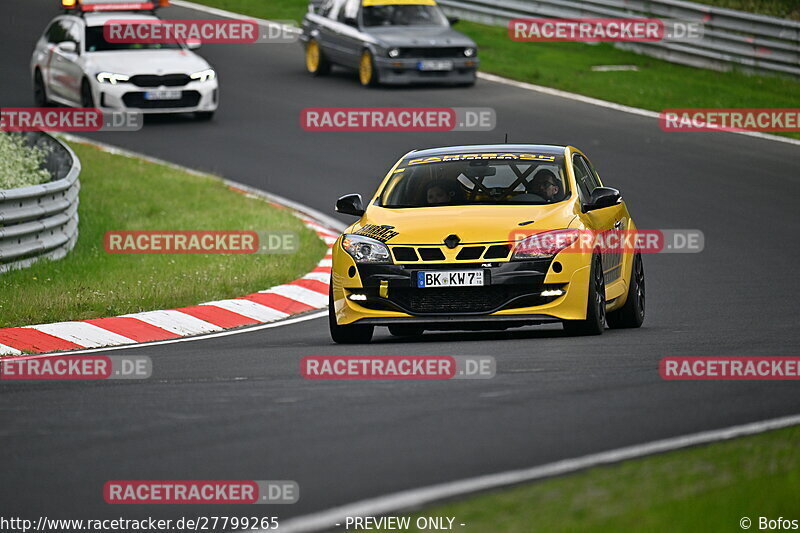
pixel 195 96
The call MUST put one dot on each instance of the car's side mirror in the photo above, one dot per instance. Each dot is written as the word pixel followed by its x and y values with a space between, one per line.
pixel 350 204
pixel 67 47
pixel 453 20
pixel 602 197
pixel 350 21
pixel 194 45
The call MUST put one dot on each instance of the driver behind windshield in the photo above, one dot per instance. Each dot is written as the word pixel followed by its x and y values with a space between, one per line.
pixel 546 185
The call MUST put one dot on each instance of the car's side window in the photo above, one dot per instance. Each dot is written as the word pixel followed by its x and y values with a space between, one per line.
pixel 335 9
pixel 58 32
pixel 350 11
pixel 594 179
pixel 582 177
pixel 75 34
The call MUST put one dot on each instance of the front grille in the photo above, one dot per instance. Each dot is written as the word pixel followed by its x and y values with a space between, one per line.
pixel 404 253
pixel 431 254
pixel 498 251
pixel 167 80
pixel 136 100
pixel 432 53
pixel 470 253
pixel 454 299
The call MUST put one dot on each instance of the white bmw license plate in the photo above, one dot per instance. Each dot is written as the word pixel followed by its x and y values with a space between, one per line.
pixel 166 94
pixel 435 65
pixel 450 278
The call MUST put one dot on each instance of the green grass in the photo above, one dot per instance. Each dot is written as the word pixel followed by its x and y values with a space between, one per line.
pixel 709 488
pixel 656 86
pixel 789 9
pixel 121 193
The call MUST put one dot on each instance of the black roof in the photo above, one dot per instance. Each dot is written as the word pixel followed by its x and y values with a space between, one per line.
pixel 548 149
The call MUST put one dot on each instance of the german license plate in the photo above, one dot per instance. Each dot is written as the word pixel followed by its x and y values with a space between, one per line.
pixel 435 65
pixel 450 278
pixel 166 94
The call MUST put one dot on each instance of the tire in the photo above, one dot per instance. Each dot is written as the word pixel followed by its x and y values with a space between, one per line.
pixel 406 330
pixel 631 315
pixel 367 74
pixel 316 62
pixel 595 321
pixel 87 99
pixel 351 334
pixel 204 116
pixel 39 90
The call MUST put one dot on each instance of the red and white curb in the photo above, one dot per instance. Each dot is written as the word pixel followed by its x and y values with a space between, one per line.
pixel 307 293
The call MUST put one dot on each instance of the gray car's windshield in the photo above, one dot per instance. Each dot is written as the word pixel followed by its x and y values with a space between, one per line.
pixel 403 15
pixel 464 179
pixel 96 42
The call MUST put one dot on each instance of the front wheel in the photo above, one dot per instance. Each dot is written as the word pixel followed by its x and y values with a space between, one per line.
pixel 316 62
pixel 367 75
pixel 87 100
pixel 39 90
pixel 595 321
pixel 350 334
pixel 631 315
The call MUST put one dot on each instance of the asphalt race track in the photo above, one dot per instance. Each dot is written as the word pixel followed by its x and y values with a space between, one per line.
pixel 235 407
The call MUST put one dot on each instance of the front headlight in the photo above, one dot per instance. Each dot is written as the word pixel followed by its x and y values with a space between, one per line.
pixel 366 250
pixel 546 244
pixel 204 75
pixel 110 77
pixel 393 52
pixel 469 52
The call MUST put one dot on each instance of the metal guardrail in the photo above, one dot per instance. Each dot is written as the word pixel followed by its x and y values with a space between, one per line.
pixel 41 221
pixel 731 39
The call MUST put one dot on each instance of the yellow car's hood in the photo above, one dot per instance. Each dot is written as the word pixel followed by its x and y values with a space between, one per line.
pixel 472 224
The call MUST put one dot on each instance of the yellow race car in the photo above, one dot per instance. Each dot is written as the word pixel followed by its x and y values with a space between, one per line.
pixel 485 237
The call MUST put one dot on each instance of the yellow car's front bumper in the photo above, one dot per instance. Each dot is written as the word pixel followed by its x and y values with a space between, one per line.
pixel 387 289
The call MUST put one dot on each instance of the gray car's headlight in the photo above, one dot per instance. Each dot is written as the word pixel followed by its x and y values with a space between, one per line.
pixel 204 75
pixel 366 250
pixel 393 52
pixel 110 77
pixel 469 52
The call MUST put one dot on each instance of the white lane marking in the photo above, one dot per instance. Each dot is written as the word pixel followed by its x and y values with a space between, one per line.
pixel 225 333
pixel 8 350
pixel 300 294
pixel 176 322
pixel 324 277
pixel 414 498
pixel 250 309
pixel 82 334
pixel 523 85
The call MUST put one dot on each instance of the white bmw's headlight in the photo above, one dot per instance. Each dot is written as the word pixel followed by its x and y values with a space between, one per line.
pixel 204 75
pixel 366 250
pixel 110 77
pixel 469 52
pixel 394 52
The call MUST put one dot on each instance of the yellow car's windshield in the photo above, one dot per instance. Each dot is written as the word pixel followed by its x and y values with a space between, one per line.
pixel 469 179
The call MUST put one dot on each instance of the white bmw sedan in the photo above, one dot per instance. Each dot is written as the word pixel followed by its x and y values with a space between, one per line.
pixel 74 65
